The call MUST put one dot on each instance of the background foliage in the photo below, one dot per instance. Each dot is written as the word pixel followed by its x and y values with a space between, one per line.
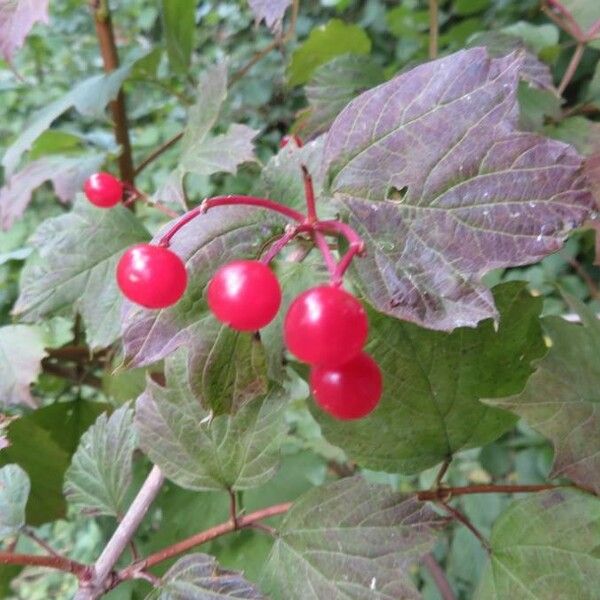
pixel 70 371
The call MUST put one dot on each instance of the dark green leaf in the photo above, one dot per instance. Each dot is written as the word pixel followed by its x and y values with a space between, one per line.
pixel 349 540
pixel 433 382
pixel 202 453
pixel 100 473
pixel 179 22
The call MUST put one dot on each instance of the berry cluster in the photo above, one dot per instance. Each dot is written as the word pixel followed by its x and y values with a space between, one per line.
pixel 325 326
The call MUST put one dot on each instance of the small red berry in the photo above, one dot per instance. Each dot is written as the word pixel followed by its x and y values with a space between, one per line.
pixel 349 391
pixel 244 294
pixel 152 276
pixel 286 139
pixel 325 325
pixel 103 190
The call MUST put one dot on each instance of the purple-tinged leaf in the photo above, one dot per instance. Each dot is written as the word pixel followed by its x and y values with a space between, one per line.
pixel 350 540
pixel 271 11
pixel 563 404
pixel 432 173
pixel 200 577
pixel 67 175
pixel 17 17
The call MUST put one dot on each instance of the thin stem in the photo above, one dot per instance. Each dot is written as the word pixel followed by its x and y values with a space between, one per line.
pixel 438 576
pixel 573 64
pixel 201 538
pixel 328 257
pixel 136 194
pixel 122 536
pixel 443 470
pixel 40 542
pixel 445 493
pixel 233 200
pixel 156 153
pixel 467 523
pixel 309 194
pixel 433 29
pixel 279 244
pixel 233 511
pixel 589 281
pixel 110 58
pixel 564 19
pixel 60 563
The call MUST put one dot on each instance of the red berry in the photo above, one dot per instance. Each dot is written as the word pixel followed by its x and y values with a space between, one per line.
pixel 348 391
pixel 244 294
pixel 286 139
pixel 152 276
pixel 103 190
pixel 325 325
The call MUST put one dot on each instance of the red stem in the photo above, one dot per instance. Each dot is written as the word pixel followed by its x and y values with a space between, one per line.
pixel 328 258
pixel 445 493
pixel 201 538
pixel 280 244
pixel 309 194
pixel 439 577
pixel 53 562
pixel 467 523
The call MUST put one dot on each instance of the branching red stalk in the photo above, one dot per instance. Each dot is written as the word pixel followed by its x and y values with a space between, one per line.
pixel 328 257
pixel 280 244
pixel 135 194
pixel 572 67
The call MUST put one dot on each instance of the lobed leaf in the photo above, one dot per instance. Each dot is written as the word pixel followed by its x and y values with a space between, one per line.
pixel 74 268
pixel 99 477
pixel 14 492
pixel 432 173
pixel 561 399
pixel 350 540
pixel 17 17
pixel 545 547
pixel 269 11
pixel 433 383
pixel 200 577
pixel 199 452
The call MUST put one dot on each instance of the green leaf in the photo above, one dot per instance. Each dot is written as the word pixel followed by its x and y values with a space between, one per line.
pixel 433 382
pixel 99 477
pixel 470 7
pixel 349 540
pixel 561 399
pixel 545 547
pixel 14 491
pixel 586 13
pixel 323 44
pixel 332 86
pixel 89 97
pixel 404 21
pixel 200 453
pixel 22 348
pixel 179 23
pixel 200 577
pixel 74 268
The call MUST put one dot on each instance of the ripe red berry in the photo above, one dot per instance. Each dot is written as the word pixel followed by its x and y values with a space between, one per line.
pixel 349 391
pixel 286 139
pixel 103 190
pixel 244 294
pixel 325 325
pixel 152 276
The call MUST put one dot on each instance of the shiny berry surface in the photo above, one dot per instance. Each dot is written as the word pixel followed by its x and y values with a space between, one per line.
pixel 152 276
pixel 325 325
pixel 103 190
pixel 349 391
pixel 244 294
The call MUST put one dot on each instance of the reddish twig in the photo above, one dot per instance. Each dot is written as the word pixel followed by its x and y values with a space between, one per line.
pixel 40 542
pixel 277 246
pixel 110 58
pixel 134 194
pixel 199 539
pixel 156 153
pixel 572 67
pixel 434 29
pixel 60 563
pixel 309 194
pixel 445 493
pixel 442 472
pixel 467 523
pixel 438 576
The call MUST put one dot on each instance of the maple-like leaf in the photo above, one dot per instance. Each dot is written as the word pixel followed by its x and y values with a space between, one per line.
pixel 562 399
pixel 430 170
pixel 17 17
